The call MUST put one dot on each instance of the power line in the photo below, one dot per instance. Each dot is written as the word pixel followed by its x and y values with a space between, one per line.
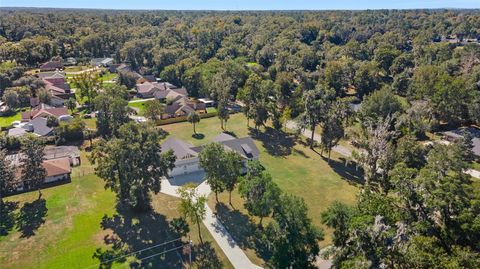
pixel 126 255
pixel 163 252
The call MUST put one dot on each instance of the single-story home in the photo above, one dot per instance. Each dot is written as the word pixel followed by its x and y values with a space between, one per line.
pixel 182 106
pixel 106 62
pixel 70 152
pixel 57 170
pixel 459 133
pixel 187 155
pixel 123 67
pixel 43 111
pixel 37 126
pixel 51 66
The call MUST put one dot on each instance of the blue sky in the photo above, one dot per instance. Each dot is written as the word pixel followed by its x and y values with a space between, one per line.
pixel 244 4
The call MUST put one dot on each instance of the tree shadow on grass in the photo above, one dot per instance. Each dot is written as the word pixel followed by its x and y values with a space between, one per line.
pixel 140 233
pixel 31 217
pixel 198 136
pixel 7 217
pixel 275 142
pixel 242 229
pixel 205 256
pixel 348 172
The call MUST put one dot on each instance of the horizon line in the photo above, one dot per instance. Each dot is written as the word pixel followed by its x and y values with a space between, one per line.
pixel 236 10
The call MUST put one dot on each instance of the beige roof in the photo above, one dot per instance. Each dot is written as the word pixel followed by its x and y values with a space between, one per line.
pixel 57 167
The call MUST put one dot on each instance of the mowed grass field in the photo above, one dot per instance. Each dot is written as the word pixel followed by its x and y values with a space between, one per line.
pixel 7 121
pixel 78 218
pixel 293 166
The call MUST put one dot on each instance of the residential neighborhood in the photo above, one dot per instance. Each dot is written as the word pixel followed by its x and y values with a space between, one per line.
pixel 332 136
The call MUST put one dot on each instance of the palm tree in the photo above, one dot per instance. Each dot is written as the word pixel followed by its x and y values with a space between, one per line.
pixel 193 118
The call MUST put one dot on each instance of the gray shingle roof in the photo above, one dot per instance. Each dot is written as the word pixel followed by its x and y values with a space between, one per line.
pixel 181 149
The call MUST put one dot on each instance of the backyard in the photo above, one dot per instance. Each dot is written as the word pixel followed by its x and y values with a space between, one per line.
pixel 75 221
pixel 7 121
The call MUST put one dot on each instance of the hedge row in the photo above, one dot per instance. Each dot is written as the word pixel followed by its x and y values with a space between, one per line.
pixel 184 118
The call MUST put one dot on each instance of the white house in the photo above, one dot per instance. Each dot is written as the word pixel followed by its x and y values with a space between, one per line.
pixel 187 155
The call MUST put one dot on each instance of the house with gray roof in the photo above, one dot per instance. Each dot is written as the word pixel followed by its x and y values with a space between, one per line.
pixel 188 162
pixel 460 133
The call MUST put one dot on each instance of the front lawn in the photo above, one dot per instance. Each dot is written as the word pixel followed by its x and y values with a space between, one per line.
pixel 108 76
pixel 7 121
pixel 139 106
pixel 71 222
pixel 293 166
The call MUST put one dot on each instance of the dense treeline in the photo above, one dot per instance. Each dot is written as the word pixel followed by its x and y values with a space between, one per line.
pixel 207 52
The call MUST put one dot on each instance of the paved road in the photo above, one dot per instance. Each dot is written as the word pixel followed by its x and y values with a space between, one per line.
pixel 141 100
pixel 473 173
pixel 348 153
pixel 234 253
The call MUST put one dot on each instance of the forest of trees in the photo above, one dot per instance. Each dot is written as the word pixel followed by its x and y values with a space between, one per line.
pixel 215 53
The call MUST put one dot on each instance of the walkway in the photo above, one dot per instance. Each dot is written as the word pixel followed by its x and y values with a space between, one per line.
pixel 226 242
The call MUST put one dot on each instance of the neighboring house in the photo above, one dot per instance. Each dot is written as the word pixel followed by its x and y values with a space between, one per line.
pixel 49 74
pixel 459 133
pixel 51 153
pixel 105 62
pixel 115 68
pixel 187 155
pixel 55 83
pixel 208 102
pixel 148 89
pixel 70 152
pixel 44 111
pixel 146 78
pixel 38 126
pixel 51 66
pixel 70 61
pixel 57 170
pixel 182 106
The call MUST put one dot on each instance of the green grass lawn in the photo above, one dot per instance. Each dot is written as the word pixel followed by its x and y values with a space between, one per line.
pixel 7 121
pixel 70 230
pixel 138 105
pixel 476 165
pixel 76 68
pixel 293 166
pixel 211 109
pixel 108 76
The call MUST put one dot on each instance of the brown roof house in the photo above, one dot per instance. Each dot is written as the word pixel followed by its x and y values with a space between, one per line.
pixel 57 86
pixel 51 66
pixel 44 111
pixel 57 170
pixel 182 106
pixel 187 161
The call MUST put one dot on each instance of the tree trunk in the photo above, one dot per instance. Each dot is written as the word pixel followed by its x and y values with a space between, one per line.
pixel 216 196
pixel 230 198
pixel 248 121
pixel 39 193
pixel 260 223
pixel 311 138
pixel 329 151
pixel 221 122
pixel 194 131
pixel 199 231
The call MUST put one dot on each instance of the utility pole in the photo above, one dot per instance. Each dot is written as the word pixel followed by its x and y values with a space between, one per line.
pixel 190 252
